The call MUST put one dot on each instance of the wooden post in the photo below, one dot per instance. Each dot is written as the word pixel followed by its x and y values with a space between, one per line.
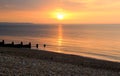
pixel 36 45
pixel 21 43
pixel 3 42
pixel 12 43
pixel 29 44
pixel 44 45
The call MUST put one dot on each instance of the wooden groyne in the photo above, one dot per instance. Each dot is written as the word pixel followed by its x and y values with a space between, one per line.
pixel 21 45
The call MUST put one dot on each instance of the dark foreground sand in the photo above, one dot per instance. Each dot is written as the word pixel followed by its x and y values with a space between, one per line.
pixel 26 62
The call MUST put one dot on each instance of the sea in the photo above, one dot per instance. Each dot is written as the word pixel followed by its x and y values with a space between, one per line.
pixel 99 41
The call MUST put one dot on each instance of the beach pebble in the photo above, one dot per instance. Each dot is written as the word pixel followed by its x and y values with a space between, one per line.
pixel 20 66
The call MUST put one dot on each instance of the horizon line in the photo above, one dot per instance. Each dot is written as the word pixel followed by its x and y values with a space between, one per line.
pixel 56 23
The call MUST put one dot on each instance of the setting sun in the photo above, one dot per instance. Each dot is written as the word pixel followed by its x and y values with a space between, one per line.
pixel 60 16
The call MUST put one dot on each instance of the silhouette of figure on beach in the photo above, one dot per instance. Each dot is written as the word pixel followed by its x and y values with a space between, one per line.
pixel 44 45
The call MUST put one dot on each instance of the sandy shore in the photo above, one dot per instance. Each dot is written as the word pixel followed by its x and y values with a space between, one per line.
pixel 26 62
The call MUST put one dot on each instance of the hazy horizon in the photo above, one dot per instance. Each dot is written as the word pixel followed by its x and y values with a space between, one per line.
pixel 60 11
pixel 56 23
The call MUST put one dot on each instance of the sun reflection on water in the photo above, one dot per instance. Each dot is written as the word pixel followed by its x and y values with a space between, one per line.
pixel 60 37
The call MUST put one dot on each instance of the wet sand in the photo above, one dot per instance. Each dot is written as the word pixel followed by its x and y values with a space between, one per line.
pixel 27 62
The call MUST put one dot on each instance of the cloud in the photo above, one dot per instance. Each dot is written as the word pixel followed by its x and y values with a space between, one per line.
pixel 93 5
pixel 23 4
pixel 72 5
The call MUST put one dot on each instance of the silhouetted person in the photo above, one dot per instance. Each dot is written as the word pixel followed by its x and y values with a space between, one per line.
pixel 36 45
pixel 44 45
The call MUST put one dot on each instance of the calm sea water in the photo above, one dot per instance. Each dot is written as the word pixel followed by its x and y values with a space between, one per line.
pixel 97 41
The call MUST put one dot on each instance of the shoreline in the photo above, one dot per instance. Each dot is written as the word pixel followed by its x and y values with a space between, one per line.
pixel 61 58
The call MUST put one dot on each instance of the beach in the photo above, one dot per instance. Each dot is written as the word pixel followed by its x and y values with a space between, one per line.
pixel 59 38
pixel 27 62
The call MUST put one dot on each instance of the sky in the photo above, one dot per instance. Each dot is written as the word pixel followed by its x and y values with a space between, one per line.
pixel 75 11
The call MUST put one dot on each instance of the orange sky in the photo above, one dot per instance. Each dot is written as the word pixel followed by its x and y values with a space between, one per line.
pixel 76 11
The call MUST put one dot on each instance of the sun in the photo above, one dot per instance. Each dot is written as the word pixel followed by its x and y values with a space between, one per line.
pixel 60 16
